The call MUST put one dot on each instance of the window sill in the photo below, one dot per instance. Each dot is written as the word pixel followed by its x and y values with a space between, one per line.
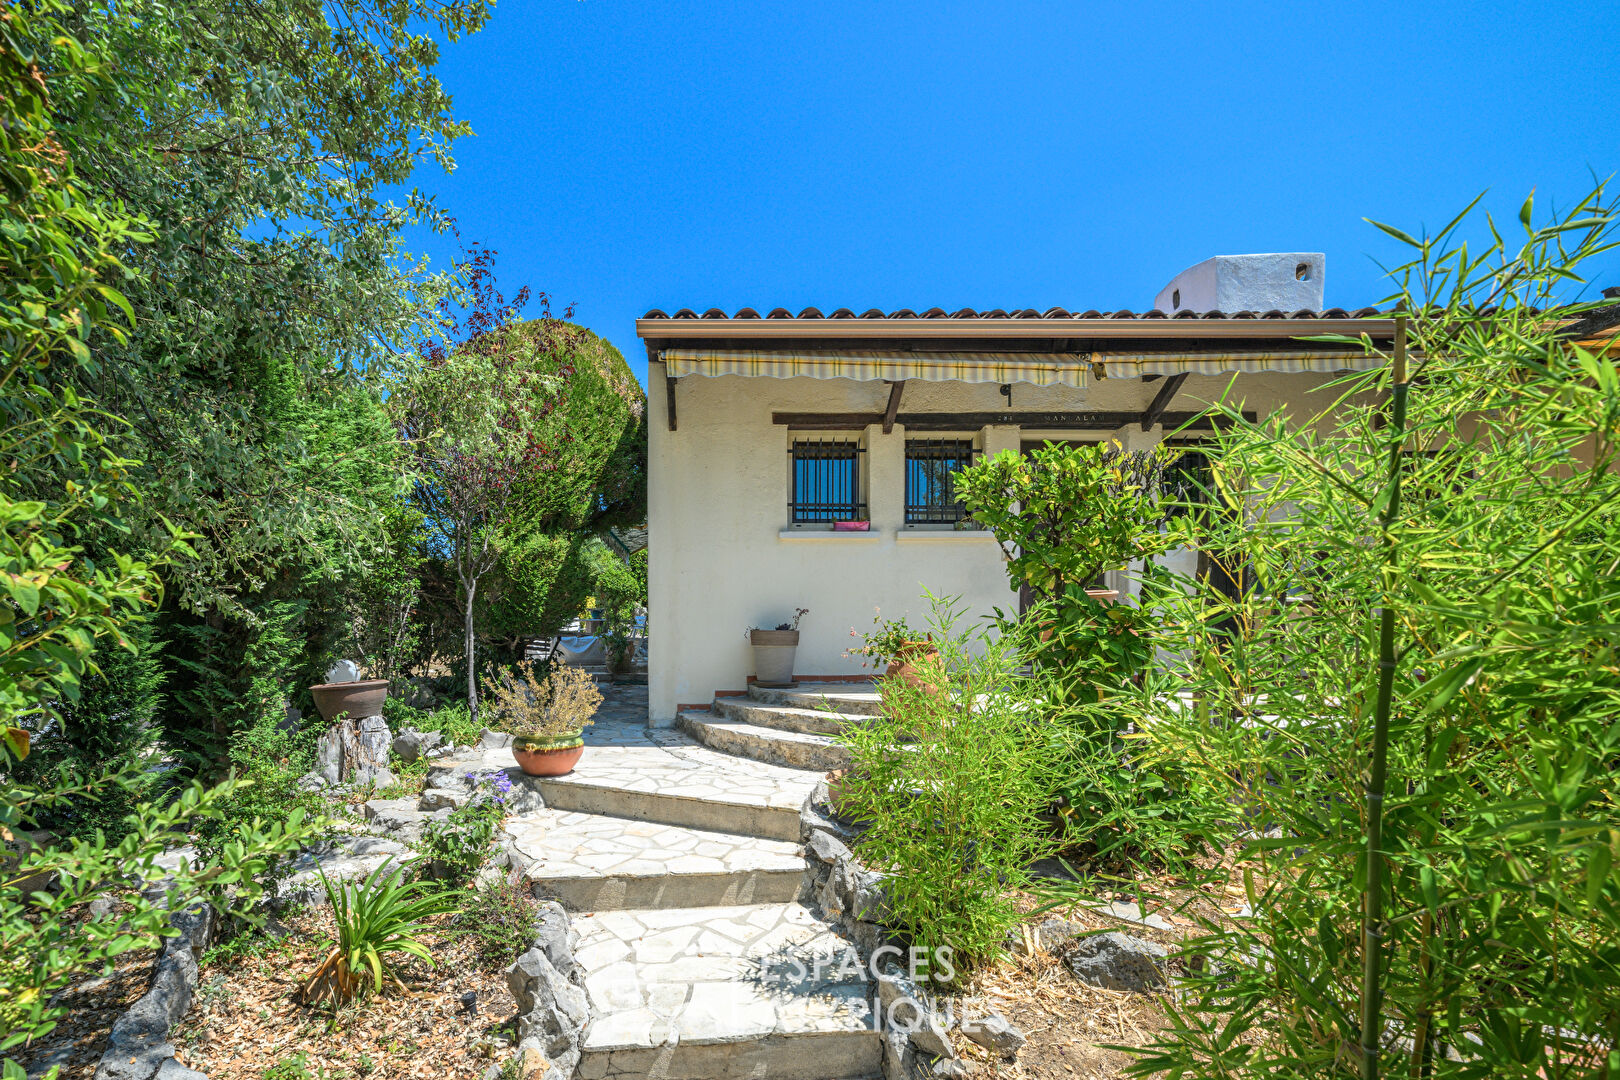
pixel 925 535
pixel 871 536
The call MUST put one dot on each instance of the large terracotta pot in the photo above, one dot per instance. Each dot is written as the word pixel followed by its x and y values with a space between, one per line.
pixel 549 757
pixel 355 699
pixel 773 656
pixel 903 664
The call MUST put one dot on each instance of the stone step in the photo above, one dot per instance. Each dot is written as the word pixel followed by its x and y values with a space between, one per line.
pixel 792 749
pixel 764 990
pixel 592 862
pixel 786 717
pixel 855 699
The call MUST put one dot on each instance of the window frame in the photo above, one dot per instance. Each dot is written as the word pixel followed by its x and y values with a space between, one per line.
pixel 946 514
pixel 828 447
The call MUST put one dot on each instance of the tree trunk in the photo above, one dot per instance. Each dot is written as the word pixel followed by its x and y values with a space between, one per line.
pixel 471 587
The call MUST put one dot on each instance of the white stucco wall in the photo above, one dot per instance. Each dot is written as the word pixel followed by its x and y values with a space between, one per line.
pixel 1264 282
pixel 717 511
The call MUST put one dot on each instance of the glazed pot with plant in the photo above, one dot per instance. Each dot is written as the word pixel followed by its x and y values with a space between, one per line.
pixel 774 651
pixel 546 715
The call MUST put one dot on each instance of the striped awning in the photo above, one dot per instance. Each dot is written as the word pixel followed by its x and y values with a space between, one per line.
pixel 1126 365
pixel 1042 369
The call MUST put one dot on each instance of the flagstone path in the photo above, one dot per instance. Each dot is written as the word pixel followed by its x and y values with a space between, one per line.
pixel 678 852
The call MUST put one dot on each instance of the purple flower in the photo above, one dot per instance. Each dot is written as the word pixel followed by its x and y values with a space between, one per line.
pixel 497 783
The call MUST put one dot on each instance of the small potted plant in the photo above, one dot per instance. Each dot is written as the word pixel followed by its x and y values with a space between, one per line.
pixel 898 646
pixel 774 651
pixel 546 716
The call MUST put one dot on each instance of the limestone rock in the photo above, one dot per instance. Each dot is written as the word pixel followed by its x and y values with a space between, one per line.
pixel 1116 961
pixel 827 848
pixel 995 1033
pixel 173 1070
pixel 411 745
pixel 552 1011
pixel 495 740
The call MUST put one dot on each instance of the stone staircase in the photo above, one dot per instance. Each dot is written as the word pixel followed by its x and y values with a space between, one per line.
pixel 792 728
pixel 678 853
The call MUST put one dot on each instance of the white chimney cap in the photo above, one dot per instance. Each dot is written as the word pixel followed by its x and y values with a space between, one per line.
pixel 1278 281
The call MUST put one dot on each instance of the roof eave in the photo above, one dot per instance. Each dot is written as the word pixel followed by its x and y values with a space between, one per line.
pixel 964 329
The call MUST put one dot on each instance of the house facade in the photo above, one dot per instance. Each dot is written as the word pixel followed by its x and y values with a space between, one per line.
pixel 773 436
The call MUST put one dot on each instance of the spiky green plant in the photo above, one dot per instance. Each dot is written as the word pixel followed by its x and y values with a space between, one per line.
pixel 1414 710
pixel 376 917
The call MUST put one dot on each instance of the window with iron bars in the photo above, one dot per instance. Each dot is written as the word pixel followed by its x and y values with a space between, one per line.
pixel 826 481
pixel 931 466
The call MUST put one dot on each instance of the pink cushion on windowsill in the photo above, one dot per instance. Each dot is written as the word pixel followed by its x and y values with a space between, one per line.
pixel 851 526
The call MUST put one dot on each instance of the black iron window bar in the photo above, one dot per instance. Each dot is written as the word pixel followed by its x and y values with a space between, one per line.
pixel 826 481
pixel 931 466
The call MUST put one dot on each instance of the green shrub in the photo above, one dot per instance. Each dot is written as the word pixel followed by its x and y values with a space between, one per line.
pixel 375 918
pixel 458 847
pixel 453 721
pixel 500 918
pixel 108 726
pixel 951 783
pixel 1417 705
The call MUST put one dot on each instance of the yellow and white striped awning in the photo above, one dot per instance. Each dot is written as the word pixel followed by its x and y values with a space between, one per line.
pixel 1126 365
pixel 1042 369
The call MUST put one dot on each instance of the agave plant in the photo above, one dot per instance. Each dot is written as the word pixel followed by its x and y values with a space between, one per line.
pixel 381 914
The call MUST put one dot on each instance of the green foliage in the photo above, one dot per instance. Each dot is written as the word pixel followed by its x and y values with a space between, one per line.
pixel 294 1067
pixel 110 726
pixel 951 783
pixel 378 917
pixel 1487 531
pixel 1065 514
pixel 66 597
pixel 459 846
pixel 500 918
pixel 453 721
pixel 892 639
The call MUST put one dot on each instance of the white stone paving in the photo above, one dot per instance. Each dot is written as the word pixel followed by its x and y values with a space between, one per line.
pixel 662 982
pixel 596 862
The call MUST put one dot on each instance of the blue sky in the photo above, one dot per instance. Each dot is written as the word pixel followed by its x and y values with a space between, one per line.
pixel 631 154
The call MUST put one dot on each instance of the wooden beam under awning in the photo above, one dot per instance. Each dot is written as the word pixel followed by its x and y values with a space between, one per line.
pixel 889 413
pixel 1161 400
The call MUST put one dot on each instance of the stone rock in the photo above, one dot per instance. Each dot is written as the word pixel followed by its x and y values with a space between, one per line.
pixel 411 745
pixel 904 1007
pixel 138 1046
pixel 952 1067
pixel 313 781
pixel 173 1070
pixel 1116 961
pixel 344 671
pixel 495 740
pixel 827 848
pixel 372 739
pixel 434 798
pixel 995 1033
pixel 329 757
pixel 552 1010
pixel 532 1064
pixel 556 937
pixel 341 858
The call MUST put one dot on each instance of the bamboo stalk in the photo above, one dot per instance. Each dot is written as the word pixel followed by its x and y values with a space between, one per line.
pixel 1372 915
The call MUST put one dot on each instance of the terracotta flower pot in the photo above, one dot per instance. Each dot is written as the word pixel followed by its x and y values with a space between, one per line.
pixel 355 699
pixel 903 664
pixel 552 756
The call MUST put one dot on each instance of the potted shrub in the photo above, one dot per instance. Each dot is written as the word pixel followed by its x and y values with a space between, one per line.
pixel 774 651
pixel 899 647
pixel 546 716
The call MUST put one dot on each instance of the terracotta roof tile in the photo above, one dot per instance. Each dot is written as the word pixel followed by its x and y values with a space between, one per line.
pixel 812 313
